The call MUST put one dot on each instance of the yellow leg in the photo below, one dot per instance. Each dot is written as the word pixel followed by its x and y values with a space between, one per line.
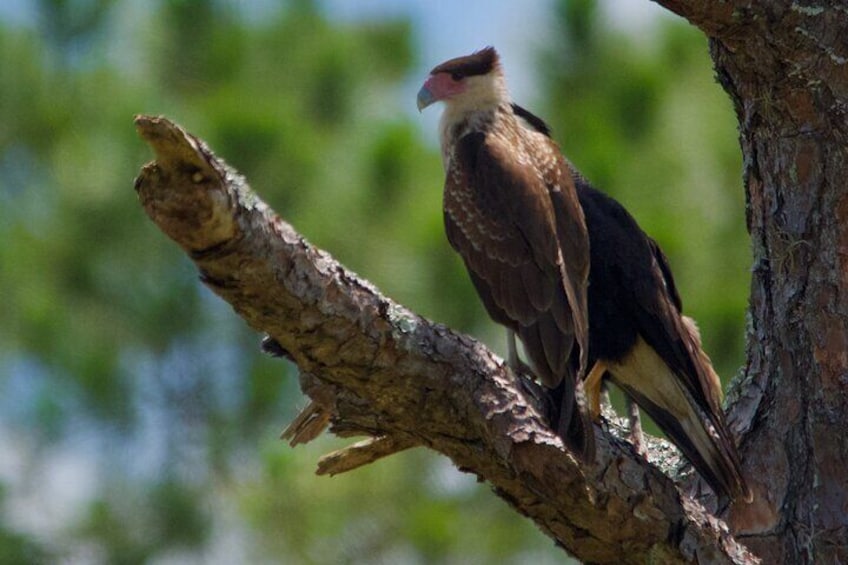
pixel 592 385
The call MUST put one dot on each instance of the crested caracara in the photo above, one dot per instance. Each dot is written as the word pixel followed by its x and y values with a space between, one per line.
pixel 511 212
pixel 530 229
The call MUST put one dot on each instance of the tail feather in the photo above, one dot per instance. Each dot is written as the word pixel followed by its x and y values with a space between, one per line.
pixel 570 419
pixel 703 438
pixel 548 352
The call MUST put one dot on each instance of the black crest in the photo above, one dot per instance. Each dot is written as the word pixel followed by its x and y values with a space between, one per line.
pixel 478 63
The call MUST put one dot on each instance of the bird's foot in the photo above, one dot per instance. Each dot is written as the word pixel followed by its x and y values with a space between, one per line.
pixel 635 422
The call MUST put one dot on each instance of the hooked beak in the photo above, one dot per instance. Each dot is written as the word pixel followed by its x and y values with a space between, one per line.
pixel 425 97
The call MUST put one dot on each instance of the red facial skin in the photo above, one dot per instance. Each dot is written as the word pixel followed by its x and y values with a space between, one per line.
pixel 439 86
pixel 442 85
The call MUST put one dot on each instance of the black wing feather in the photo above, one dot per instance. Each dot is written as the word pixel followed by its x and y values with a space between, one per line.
pixel 632 292
pixel 632 286
pixel 535 121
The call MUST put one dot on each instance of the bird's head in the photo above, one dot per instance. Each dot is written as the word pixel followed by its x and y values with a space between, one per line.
pixel 466 84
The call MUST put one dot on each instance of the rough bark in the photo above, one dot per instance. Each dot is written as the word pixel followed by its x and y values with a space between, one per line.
pixel 785 66
pixel 374 369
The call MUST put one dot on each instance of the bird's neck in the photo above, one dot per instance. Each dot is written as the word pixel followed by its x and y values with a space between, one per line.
pixel 457 122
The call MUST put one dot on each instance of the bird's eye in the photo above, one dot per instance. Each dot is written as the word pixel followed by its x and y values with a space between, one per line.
pixel 457 76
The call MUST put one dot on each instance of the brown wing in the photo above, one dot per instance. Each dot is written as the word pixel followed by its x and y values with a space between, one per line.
pixel 500 217
pixel 574 246
pixel 571 228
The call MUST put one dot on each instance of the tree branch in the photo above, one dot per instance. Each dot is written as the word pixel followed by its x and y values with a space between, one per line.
pixel 716 19
pixel 360 454
pixel 375 369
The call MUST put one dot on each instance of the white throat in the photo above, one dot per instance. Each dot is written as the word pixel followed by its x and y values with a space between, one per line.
pixel 471 109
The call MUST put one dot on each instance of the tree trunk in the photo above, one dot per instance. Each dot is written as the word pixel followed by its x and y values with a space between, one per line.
pixel 785 66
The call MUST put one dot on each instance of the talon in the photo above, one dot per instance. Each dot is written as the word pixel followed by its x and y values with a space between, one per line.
pixel 635 426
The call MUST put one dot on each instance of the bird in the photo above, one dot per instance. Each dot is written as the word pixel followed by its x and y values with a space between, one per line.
pixel 641 341
pixel 626 313
pixel 512 214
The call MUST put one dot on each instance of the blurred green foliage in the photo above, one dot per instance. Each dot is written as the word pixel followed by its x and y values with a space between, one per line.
pixel 138 421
